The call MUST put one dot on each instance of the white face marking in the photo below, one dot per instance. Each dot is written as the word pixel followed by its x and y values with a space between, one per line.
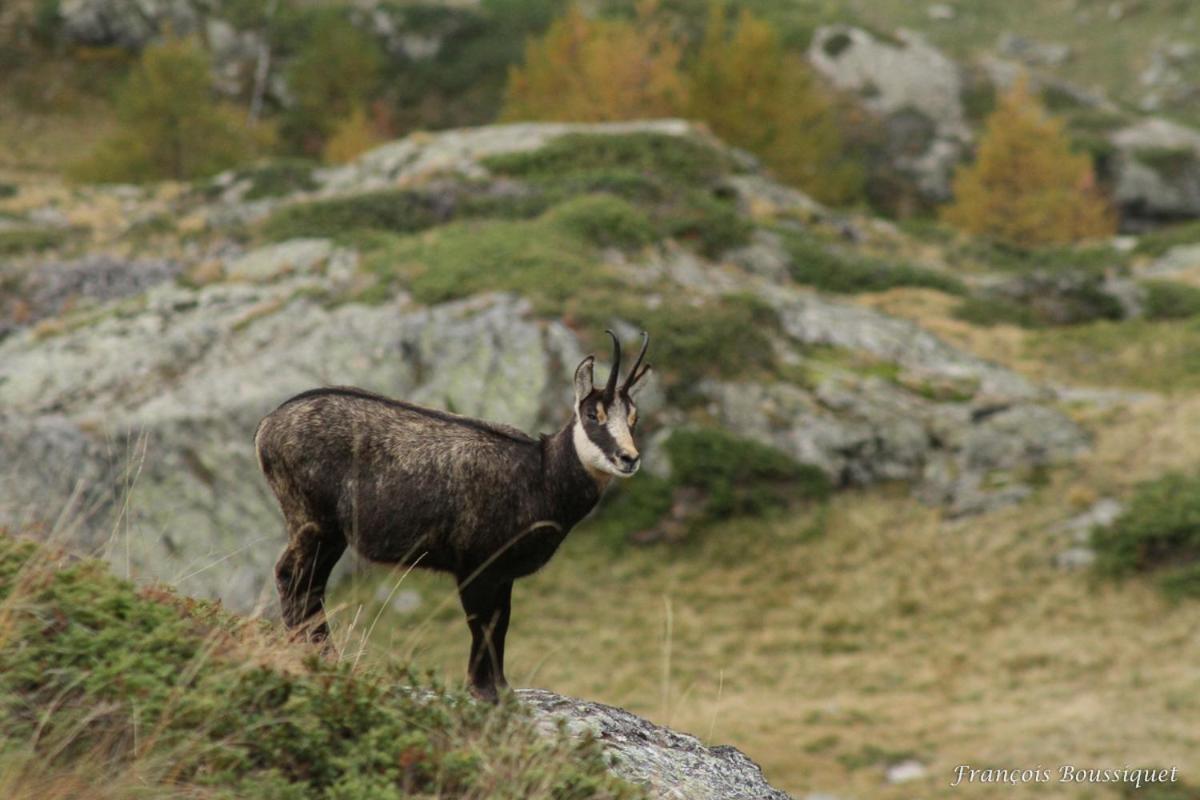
pixel 592 456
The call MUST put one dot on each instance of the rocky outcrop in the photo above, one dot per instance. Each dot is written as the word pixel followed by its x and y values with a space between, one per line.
pixel 671 765
pixel 127 23
pixel 912 86
pixel 127 423
pixel 1157 172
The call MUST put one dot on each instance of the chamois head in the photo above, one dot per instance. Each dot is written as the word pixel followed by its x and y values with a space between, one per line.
pixel 605 418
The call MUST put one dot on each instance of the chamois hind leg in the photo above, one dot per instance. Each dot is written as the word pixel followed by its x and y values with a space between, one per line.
pixel 301 575
pixel 487 604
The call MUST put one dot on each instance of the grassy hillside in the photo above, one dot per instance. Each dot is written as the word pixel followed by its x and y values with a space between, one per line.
pixel 116 692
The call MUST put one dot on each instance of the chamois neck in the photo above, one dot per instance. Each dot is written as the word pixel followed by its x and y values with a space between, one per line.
pixel 563 465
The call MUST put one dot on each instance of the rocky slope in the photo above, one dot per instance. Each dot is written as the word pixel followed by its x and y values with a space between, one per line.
pixel 131 385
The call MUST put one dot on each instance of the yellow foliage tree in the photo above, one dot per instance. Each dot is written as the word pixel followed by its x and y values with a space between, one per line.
pixel 595 70
pixel 1026 188
pixel 351 137
pixel 754 95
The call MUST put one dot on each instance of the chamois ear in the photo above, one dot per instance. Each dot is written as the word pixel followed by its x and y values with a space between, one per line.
pixel 583 378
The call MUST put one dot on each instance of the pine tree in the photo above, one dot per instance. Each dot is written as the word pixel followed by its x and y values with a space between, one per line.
pixel 754 95
pixel 170 124
pixel 1026 188
pixel 595 70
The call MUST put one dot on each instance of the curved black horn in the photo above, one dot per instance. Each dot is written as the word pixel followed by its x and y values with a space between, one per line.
pixel 610 388
pixel 633 376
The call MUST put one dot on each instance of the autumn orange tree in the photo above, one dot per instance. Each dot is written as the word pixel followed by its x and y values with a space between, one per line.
pixel 592 70
pixel 754 95
pixel 1026 187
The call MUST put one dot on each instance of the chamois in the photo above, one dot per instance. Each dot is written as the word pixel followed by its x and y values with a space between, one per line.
pixel 403 484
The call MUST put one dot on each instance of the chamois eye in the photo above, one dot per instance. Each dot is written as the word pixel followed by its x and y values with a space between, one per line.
pixel 592 415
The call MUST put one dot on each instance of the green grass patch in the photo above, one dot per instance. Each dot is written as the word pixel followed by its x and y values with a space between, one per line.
pixel 18 241
pixel 816 264
pixel 110 683
pixel 1138 354
pixel 1158 242
pixel 538 259
pixel 1170 300
pixel 740 476
pixel 1159 532
pixel 998 256
pixel 989 311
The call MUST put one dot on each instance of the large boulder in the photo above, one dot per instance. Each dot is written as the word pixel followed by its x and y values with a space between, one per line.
pixel 130 24
pixel 1157 172
pixel 913 87
pixel 669 764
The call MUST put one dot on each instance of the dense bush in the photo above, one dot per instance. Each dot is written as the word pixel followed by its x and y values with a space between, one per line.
pixel 1026 187
pixel 586 70
pixel 278 177
pixel 1159 532
pixel 817 264
pixel 740 476
pixel 118 687
pixel 170 125
pixel 754 95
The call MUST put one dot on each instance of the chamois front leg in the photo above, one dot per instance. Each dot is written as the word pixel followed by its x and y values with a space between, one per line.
pixel 487 604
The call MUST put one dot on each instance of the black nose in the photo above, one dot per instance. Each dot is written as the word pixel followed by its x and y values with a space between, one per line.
pixel 628 461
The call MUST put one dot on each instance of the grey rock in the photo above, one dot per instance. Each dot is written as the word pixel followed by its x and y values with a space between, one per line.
pixel 1103 512
pixel 51 286
pixel 672 765
pixel 811 319
pixel 1075 558
pixel 273 261
pixel 126 23
pixel 1147 191
pixel 1180 258
pixel 905 771
pixel 1032 52
pixel 904 81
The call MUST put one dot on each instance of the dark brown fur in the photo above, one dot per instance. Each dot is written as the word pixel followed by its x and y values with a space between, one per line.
pixel 403 484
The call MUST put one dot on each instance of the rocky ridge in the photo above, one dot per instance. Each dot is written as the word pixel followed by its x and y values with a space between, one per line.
pixel 130 394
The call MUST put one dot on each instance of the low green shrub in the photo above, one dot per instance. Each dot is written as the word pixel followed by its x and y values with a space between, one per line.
pixel 278 177
pixel 671 178
pixel 536 258
pixel 679 159
pixel 989 311
pixel 740 476
pixel 395 210
pixel 815 264
pixel 1158 532
pixel 1170 300
pixel 728 337
pixel 990 254
pixel 711 224
pixel 603 220
pixel 110 684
